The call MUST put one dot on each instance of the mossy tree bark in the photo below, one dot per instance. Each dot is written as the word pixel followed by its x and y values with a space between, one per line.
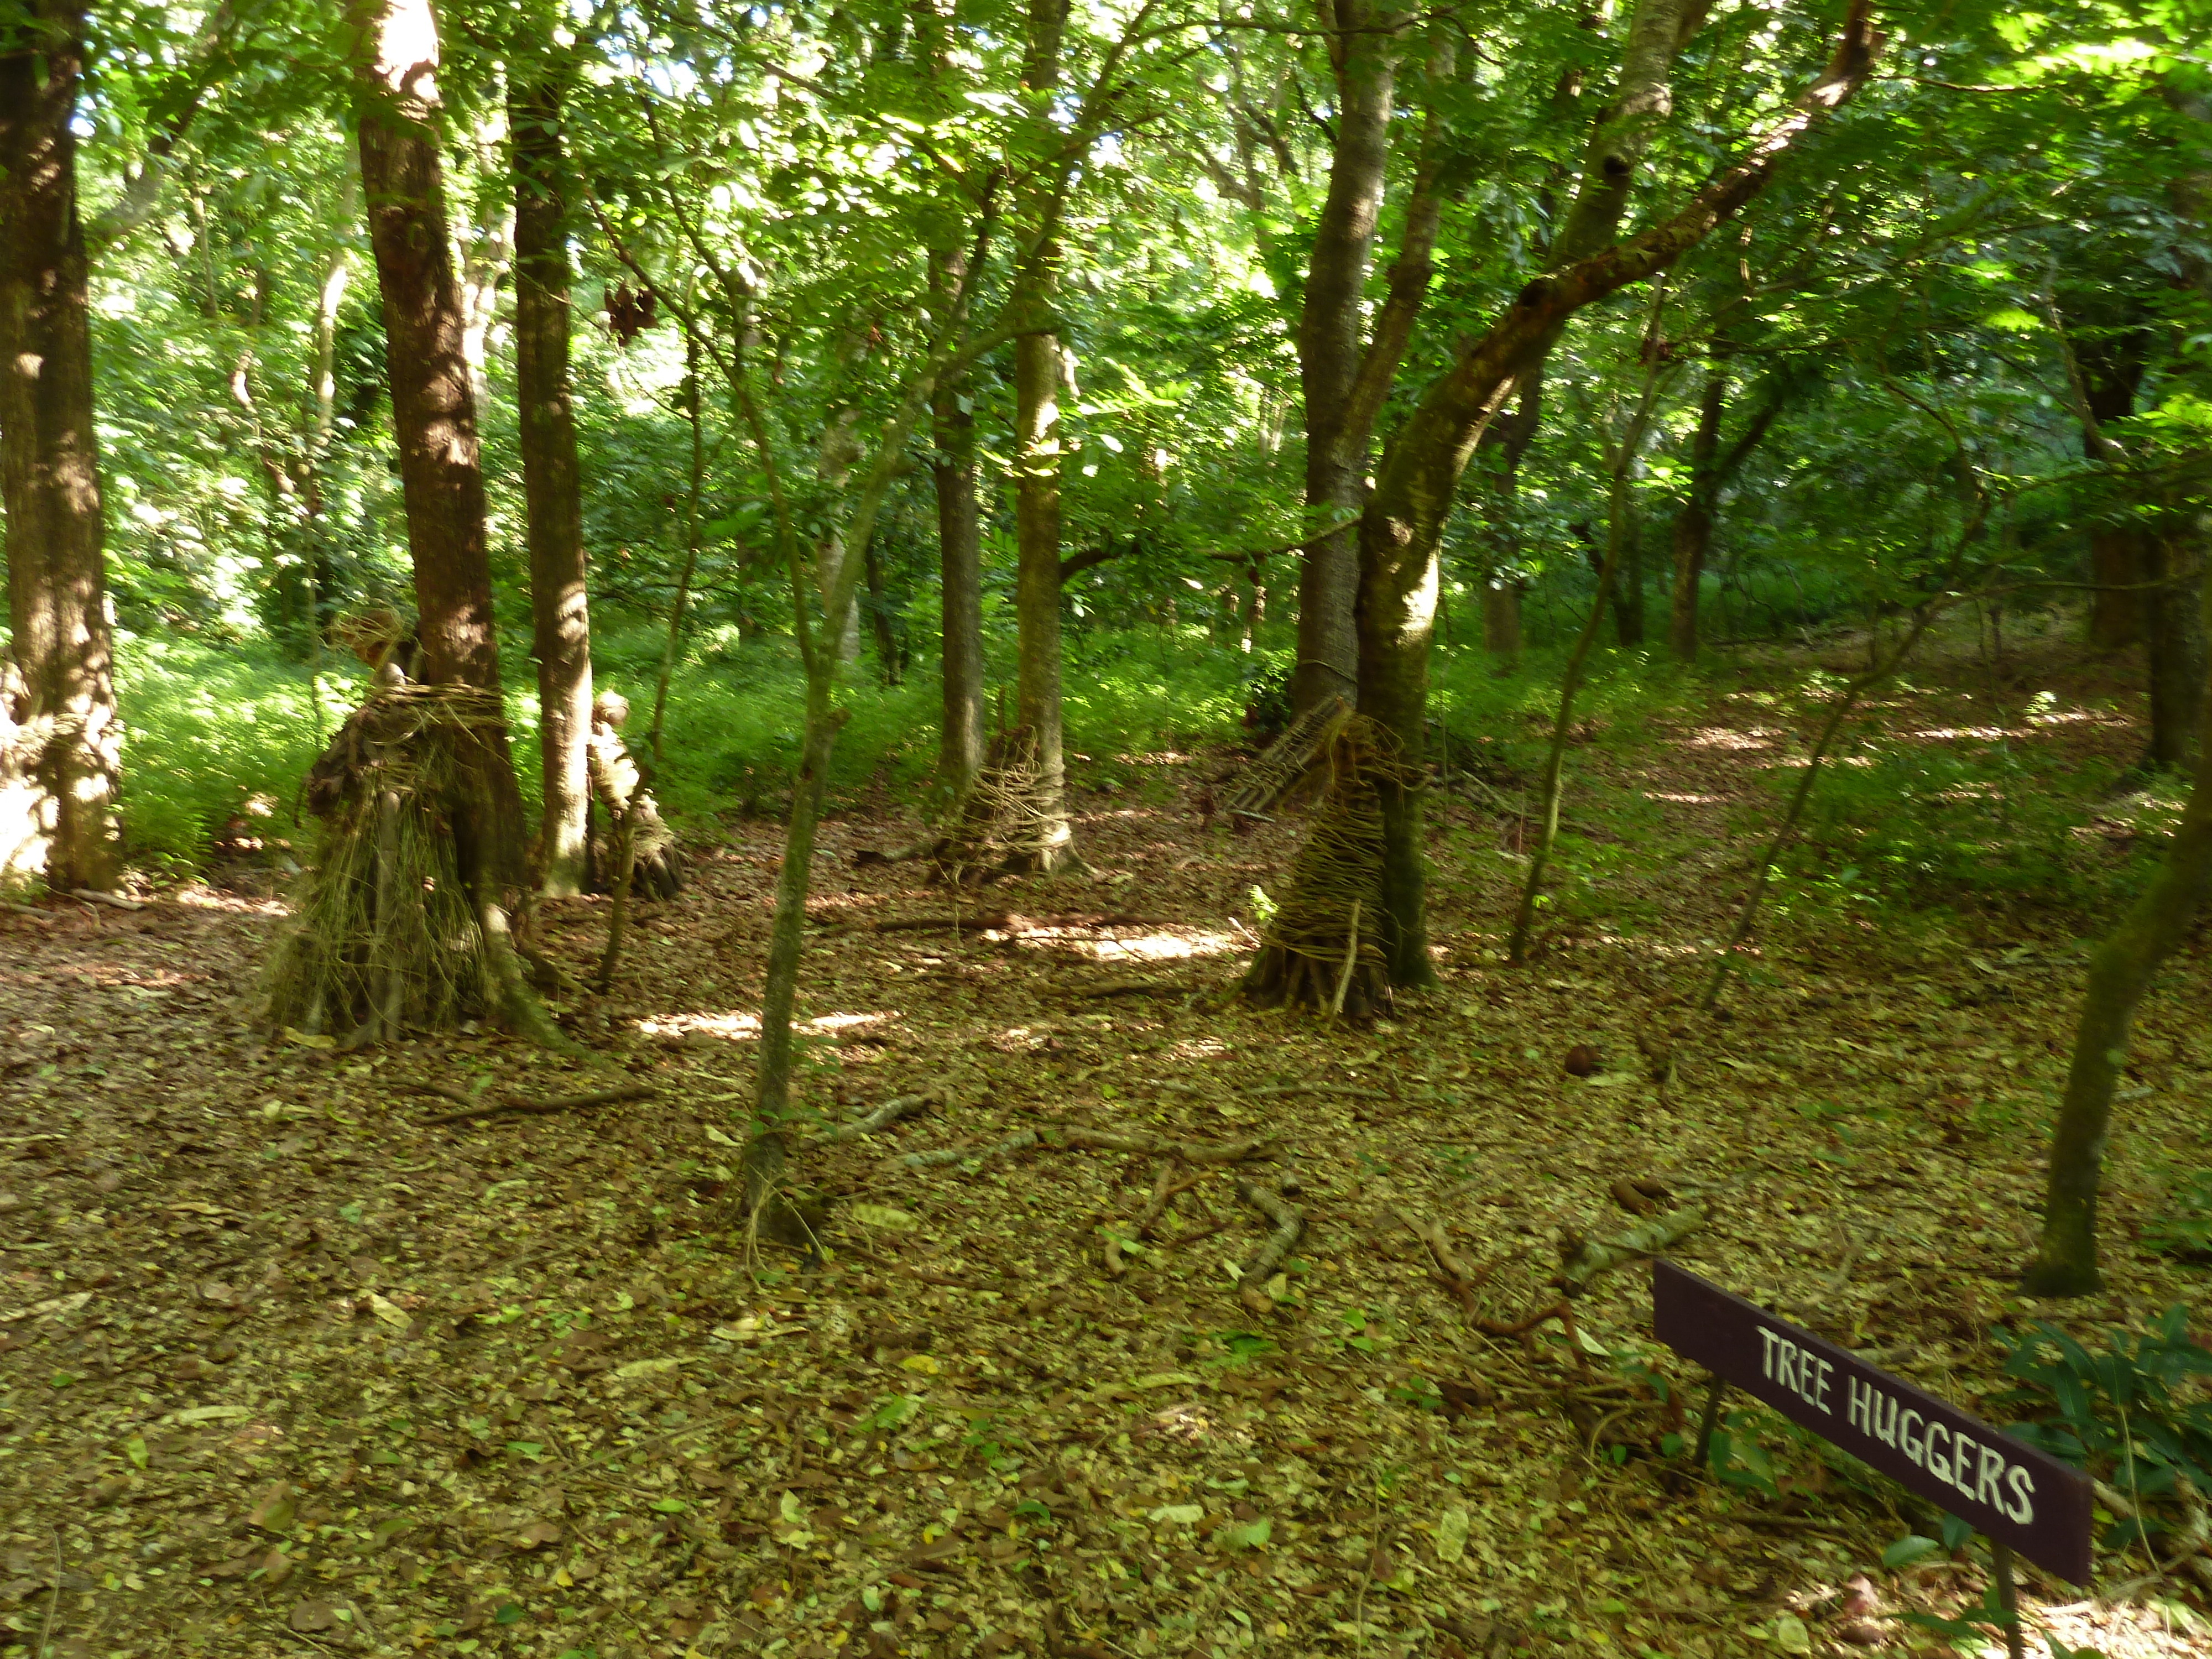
pixel 1363 59
pixel 552 483
pixel 66 737
pixel 2120 972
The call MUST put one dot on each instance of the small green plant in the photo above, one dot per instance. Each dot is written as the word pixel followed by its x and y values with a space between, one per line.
pixel 2118 1412
pixel 2183 1229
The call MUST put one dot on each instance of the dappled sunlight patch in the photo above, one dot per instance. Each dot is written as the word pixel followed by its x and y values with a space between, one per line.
pixel 1754 738
pixel 1164 945
pixel 1958 733
pixel 1682 799
pixel 738 1025
pixel 1198 1048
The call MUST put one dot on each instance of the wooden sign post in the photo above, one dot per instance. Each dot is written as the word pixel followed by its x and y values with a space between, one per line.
pixel 2021 1500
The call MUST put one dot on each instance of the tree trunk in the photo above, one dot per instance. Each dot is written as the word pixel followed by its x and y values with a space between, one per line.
pixel 1329 328
pixel 66 747
pixel 695 412
pixel 1036 510
pixel 1037 584
pixel 434 419
pixel 1693 525
pixel 2174 632
pixel 1628 585
pixel 960 562
pixel 2119 974
pixel 2110 362
pixel 1404 521
pixel 2118 560
pixel 552 483
pixel 880 621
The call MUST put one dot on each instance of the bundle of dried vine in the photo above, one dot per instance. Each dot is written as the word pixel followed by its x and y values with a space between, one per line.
pixel 1323 947
pixel 383 935
pixel 1281 765
pixel 1005 825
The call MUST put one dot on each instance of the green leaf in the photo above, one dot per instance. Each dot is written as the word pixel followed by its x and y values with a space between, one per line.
pixel 1908 1549
pixel 671 1505
pixel 509 1615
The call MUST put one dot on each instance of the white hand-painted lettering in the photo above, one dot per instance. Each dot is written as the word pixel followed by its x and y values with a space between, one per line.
pixel 2022 1507
pixel 1938 1463
pixel 1986 1476
pixel 1907 1441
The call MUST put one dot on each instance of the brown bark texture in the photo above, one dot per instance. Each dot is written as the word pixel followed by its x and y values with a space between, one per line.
pixel 433 410
pixel 1693 525
pixel 552 483
pixel 1404 522
pixel 60 741
pixel 1330 325
pixel 960 562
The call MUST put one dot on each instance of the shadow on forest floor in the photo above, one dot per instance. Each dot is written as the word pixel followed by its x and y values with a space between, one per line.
pixel 287 1368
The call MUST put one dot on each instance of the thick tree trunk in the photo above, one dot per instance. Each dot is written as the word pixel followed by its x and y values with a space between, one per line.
pixel 1329 329
pixel 434 421
pixel 2120 972
pixel 2119 560
pixel 1036 507
pixel 66 747
pixel 552 484
pixel 1404 522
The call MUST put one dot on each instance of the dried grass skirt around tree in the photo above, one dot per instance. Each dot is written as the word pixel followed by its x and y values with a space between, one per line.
pixel 1007 824
pixel 384 936
pixel 1323 948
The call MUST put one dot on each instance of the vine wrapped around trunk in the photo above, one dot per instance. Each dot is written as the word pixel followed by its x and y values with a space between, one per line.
pixel 1325 946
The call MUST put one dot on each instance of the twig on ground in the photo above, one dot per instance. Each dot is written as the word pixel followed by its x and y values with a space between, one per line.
pixel 1012 1143
pixel 1338 1090
pixel 98 897
pixel 535 1108
pixel 1190 1152
pixel 1289 1223
pixel 1586 1259
pixel 882 1118
pixel 1164 1192
pixel 31 911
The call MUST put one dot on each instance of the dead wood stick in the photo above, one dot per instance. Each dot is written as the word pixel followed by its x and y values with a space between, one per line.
pixel 1586 1259
pixel 1165 1190
pixel 1351 961
pixel 559 1103
pixel 1289 1223
pixel 30 911
pixel 1190 1152
pixel 417 1086
pixel 98 897
pixel 1012 1143
pixel 883 1117
pixel 1337 1090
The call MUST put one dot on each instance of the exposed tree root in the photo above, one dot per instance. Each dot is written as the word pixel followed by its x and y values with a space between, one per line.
pixel 1290 1222
pixel 882 1118
pixel 1190 1152
pixel 1584 1259
pixel 512 1106
pixel 944 1155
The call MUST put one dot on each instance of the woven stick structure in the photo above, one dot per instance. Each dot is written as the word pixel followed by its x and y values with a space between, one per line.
pixel 1284 764
pixel 1006 825
pixel 1323 948
pixel 384 936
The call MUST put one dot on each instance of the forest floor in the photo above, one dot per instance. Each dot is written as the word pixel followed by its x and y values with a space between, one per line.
pixel 296 1360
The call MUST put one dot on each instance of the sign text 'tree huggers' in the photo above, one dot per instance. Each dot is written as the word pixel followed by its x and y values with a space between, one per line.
pixel 2004 1490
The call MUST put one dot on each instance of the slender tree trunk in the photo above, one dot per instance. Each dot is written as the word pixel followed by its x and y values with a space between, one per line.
pixel 67 740
pixel 960 560
pixel 435 423
pixel 695 408
pixel 552 483
pixel 2175 633
pixel 2122 970
pixel 1628 586
pixel 1693 526
pixel 1329 330
pixel 880 621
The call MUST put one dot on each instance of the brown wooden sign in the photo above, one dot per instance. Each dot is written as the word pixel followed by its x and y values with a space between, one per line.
pixel 2007 1492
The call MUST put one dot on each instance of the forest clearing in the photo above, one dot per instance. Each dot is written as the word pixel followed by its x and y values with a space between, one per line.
pixel 316 1361
pixel 1105 829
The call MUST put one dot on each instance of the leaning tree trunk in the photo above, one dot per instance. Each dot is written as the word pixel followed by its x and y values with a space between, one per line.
pixel 1693 525
pixel 435 423
pixel 60 762
pixel 2174 633
pixel 1404 522
pixel 1330 327
pixel 2119 974
pixel 552 484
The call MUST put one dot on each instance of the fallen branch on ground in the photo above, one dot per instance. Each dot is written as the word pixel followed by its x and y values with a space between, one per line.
pixel 1190 1152
pixel 513 1108
pixel 883 1117
pixel 1586 1259
pixel 98 897
pixel 30 911
pixel 1338 1090
pixel 1165 1190
pixel 1251 1283
pixel 1012 1143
